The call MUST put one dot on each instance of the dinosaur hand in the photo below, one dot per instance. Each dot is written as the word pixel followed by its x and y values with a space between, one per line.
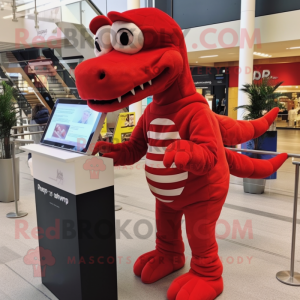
pixel 180 153
pixel 107 149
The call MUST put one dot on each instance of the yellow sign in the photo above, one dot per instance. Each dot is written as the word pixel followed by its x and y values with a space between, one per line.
pixel 124 128
pixel 104 128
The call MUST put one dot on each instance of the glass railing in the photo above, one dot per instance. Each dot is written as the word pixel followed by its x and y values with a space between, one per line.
pixel 70 11
pixel 49 76
pixel 51 70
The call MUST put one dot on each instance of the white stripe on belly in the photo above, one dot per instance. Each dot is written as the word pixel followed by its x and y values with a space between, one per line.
pixel 162 122
pixel 166 201
pixel 156 150
pixel 156 164
pixel 163 135
pixel 175 192
pixel 167 178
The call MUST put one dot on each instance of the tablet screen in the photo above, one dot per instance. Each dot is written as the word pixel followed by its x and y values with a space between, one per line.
pixel 72 126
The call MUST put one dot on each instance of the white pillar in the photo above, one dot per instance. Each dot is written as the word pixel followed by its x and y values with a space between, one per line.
pixel 135 107
pixel 132 4
pixel 246 53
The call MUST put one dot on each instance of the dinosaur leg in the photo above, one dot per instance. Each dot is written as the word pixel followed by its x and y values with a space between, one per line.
pixel 204 280
pixel 168 256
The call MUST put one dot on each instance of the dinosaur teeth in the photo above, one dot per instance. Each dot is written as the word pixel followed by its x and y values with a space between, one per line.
pixel 142 86
pixel 150 82
pixel 133 92
pixel 119 99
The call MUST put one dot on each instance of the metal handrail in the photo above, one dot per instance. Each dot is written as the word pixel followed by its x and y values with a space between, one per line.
pixel 287 277
pixel 17 213
pixel 262 152
pixel 24 134
pixel 291 277
pixel 21 133
pixel 29 125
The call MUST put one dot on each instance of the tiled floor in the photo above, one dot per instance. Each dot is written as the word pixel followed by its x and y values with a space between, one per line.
pixel 250 264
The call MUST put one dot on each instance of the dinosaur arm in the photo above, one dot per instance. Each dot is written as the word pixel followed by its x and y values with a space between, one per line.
pixel 199 154
pixel 126 153
pixel 136 147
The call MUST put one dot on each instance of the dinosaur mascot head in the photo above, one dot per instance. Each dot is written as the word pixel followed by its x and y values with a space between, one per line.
pixel 138 53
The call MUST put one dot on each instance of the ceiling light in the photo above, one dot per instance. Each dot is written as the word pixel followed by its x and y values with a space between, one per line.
pixel 293 48
pixel 208 56
pixel 261 54
pixel 196 62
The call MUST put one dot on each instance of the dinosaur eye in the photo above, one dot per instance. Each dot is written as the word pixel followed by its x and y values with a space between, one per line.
pixel 126 37
pixel 102 44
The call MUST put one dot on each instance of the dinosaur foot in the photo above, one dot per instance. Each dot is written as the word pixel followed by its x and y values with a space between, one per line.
pixel 192 287
pixel 155 265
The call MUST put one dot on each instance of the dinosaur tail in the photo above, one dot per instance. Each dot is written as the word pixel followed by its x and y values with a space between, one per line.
pixel 245 167
pixel 237 132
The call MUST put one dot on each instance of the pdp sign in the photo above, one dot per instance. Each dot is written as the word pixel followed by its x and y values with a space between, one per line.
pixel 257 75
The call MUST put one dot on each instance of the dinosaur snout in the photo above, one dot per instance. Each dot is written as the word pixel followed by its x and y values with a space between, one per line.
pixel 102 79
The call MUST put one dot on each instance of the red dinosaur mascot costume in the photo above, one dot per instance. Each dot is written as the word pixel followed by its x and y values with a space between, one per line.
pixel 140 53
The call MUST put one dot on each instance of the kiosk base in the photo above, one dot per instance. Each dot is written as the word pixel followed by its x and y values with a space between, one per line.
pixel 77 242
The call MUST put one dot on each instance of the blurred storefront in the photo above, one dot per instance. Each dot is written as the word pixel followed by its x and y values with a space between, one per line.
pixel 288 73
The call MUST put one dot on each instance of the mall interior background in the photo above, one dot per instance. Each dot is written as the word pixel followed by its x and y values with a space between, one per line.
pixel 43 68
pixel 39 52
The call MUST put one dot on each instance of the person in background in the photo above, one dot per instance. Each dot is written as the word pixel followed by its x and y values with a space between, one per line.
pixel 85 117
pixel 40 115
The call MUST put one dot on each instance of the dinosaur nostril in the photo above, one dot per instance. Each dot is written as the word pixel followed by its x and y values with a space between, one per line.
pixel 102 75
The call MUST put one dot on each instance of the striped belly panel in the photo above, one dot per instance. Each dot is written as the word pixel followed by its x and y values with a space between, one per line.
pixel 165 184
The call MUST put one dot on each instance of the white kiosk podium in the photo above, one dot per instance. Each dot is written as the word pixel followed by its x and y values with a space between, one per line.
pixel 76 223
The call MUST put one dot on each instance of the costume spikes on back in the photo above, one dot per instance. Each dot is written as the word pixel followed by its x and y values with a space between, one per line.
pixel 187 166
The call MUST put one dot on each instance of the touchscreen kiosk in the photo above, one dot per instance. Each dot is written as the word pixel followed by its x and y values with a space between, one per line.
pixel 73 126
pixel 75 207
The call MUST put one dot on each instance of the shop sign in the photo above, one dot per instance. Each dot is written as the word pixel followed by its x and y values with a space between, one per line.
pixel 257 75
